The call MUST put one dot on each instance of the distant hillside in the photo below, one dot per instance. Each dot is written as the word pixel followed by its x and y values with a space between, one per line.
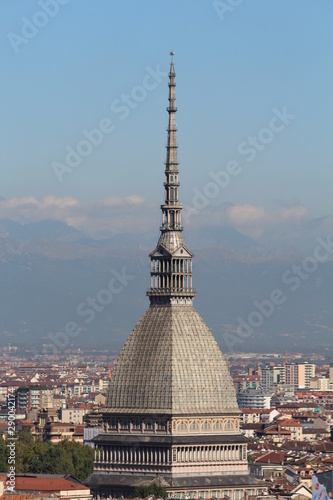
pixel 49 269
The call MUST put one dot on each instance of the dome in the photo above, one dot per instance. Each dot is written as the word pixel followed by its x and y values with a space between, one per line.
pixel 171 364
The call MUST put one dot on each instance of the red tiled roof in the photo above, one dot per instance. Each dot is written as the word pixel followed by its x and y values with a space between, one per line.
pixel 28 496
pixel 289 423
pixel 46 484
pixel 272 457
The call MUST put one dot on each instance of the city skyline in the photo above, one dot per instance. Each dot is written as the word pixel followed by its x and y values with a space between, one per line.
pixel 235 403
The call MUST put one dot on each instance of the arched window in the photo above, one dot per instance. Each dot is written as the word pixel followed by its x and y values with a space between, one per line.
pixel 217 425
pixel 182 426
pixel 229 425
pixel 205 425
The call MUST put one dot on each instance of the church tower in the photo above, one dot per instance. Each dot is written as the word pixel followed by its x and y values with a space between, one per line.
pixel 172 414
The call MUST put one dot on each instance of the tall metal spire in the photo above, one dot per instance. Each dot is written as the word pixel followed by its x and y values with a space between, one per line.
pixel 171 210
pixel 171 261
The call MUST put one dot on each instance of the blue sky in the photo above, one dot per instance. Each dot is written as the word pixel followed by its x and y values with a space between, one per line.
pixel 233 70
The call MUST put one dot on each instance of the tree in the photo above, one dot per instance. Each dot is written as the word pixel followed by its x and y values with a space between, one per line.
pixel 65 457
pixel 3 456
pixel 151 489
pixel 26 437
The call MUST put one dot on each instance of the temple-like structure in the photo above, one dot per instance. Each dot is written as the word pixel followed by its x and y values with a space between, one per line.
pixel 172 414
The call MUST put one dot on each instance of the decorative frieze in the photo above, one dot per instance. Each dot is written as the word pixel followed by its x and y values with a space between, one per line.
pixel 205 425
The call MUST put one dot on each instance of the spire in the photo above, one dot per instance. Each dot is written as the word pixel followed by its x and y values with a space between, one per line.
pixel 171 210
pixel 171 156
pixel 171 261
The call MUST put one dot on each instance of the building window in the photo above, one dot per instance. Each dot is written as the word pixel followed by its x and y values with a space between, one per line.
pixel 182 426
pixel 205 425
pixel 149 426
pixel 112 425
pixel 124 426
pixel 229 426
pixel 217 425
pixel 136 426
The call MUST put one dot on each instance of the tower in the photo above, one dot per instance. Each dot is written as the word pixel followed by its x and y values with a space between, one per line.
pixel 171 261
pixel 172 414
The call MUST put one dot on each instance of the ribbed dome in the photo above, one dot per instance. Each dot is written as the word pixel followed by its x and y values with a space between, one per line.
pixel 171 364
pixel 171 240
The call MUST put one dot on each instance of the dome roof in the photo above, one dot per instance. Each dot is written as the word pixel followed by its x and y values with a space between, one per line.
pixel 171 364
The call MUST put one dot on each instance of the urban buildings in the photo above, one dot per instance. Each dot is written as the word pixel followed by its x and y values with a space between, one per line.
pixel 295 375
pixel 271 376
pixel 172 414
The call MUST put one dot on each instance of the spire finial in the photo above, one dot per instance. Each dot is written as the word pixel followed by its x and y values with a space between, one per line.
pixel 172 54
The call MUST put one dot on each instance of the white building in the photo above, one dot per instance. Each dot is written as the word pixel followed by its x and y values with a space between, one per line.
pixel 251 398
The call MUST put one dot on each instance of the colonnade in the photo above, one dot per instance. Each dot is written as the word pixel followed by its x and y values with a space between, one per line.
pixel 217 453
pixel 145 455
pixel 132 455
pixel 175 273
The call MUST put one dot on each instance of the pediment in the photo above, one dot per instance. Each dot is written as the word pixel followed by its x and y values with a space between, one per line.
pixel 160 252
pixel 181 252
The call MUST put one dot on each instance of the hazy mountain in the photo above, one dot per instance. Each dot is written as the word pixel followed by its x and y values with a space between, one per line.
pixel 45 230
pixel 51 272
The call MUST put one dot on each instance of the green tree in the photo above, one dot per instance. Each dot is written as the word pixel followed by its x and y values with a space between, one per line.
pixel 3 456
pixel 66 457
pixel 150 489
pixel 26 437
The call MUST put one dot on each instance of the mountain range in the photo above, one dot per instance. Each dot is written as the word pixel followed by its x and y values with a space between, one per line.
pixel 51 273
